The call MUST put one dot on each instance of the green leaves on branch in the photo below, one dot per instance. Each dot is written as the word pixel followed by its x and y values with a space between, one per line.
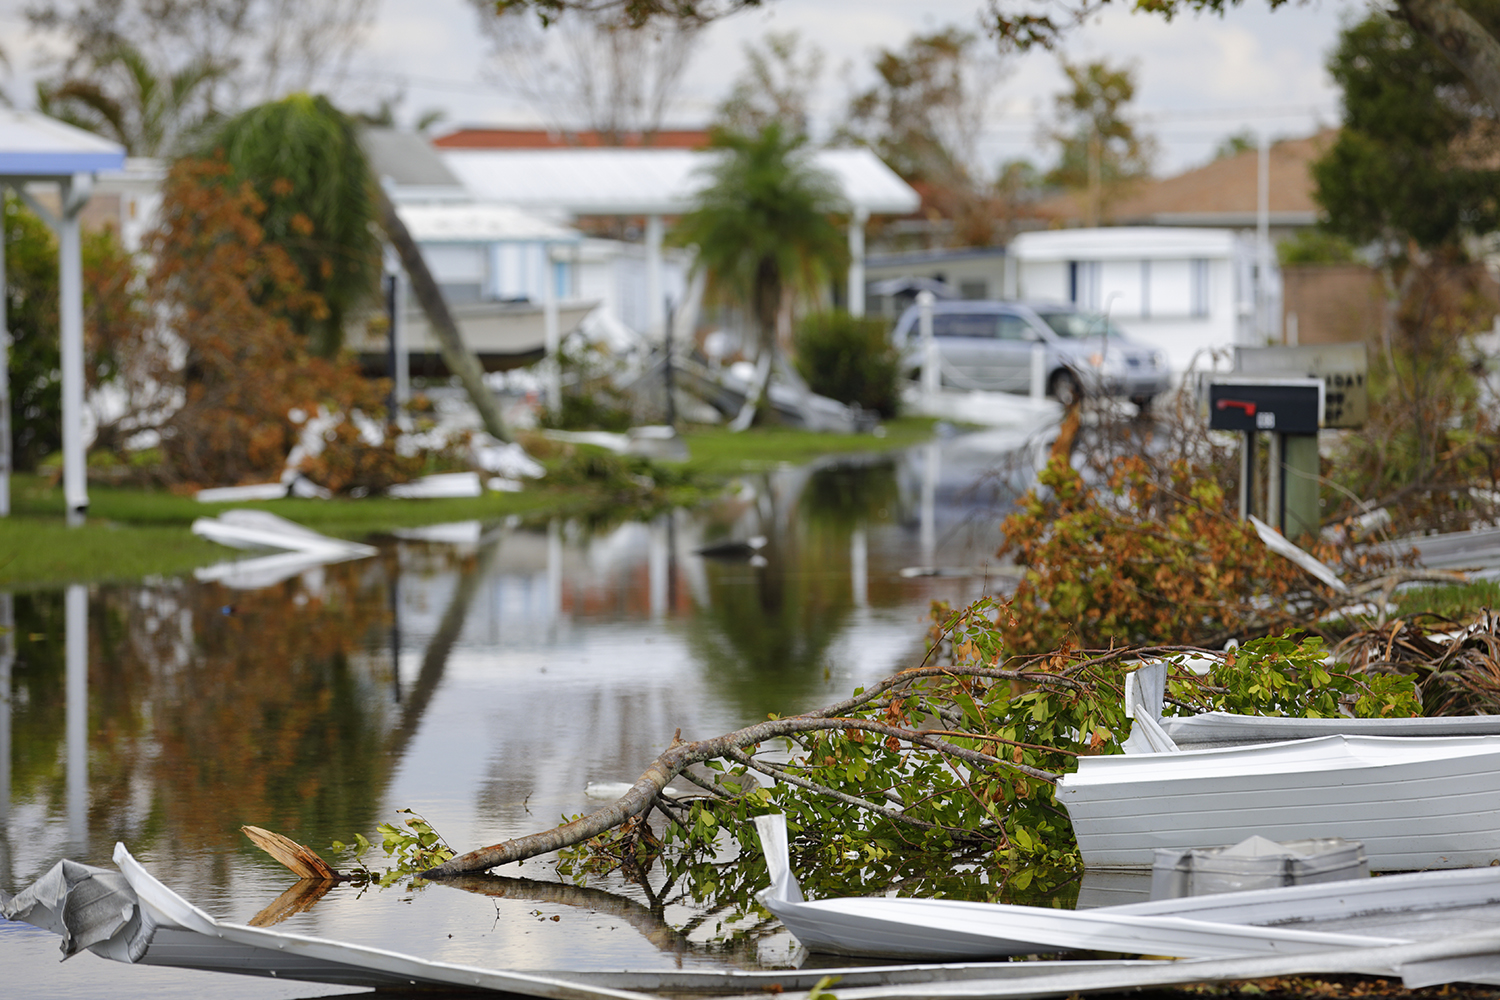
pixel 938 781
pixel 413 849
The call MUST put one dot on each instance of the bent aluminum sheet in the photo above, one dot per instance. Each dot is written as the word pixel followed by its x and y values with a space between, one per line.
pixel 167 930
pixel 1364 913
pixel 1473 958
pixel 1415 802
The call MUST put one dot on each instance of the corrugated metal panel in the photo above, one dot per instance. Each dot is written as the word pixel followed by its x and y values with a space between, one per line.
pixel 1413 802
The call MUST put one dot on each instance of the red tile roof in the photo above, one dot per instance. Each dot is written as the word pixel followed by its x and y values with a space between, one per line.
pixel 520 138
pixel 1223 191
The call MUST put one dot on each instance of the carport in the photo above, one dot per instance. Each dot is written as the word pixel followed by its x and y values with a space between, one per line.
pixel 658 183
pixel 34 150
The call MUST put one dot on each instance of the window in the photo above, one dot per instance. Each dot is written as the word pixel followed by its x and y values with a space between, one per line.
pixel 964 325
pixel 1083 283
pixel 1200 287
pixel 975 289
pixel 1014 328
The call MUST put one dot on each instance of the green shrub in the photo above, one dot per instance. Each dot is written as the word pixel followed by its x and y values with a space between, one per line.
pixel 850 359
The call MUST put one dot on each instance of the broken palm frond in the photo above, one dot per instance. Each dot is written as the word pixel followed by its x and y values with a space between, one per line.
pixel 1457 669
pixel 939 765
pixel 298 898
pixel 302 861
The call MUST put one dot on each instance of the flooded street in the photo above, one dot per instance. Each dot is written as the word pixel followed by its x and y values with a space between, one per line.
pixel 482 675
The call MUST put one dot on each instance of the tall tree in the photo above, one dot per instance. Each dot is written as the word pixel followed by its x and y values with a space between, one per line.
pixel 261 49
pixel 591 70
pixel 1101 151
pixel 303 158
pixel 1414 159
pixel 118 94
pixel 1412 176
pixel 1469 44
pixel 780 75
pixel 926 107
pixel 924 115
pixel 762 226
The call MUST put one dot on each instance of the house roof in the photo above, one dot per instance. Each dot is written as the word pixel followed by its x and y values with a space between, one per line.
pixel 537 138
pixel 480 223
pixel 1123 243
pixel 33 145
pixel 1222 193
pixel 405 159
pixel 647 181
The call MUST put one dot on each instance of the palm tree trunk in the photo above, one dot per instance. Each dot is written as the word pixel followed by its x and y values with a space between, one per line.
pixel 459 359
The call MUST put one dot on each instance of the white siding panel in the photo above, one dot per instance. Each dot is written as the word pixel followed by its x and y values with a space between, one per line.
pixel 1439 807
pixel 454 264
pixel 1120 287
pixel 1171 288
pixel 1044 281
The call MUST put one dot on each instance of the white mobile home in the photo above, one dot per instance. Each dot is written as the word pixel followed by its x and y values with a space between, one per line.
pixel 1181 290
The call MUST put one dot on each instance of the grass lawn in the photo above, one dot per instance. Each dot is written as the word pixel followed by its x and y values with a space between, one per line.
pixel 1458 601
pixel 135 533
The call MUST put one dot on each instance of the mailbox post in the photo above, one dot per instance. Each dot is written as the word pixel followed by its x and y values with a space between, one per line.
pixel 1290 410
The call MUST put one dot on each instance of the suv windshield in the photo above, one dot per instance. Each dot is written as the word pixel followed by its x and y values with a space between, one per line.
pixel 1078 325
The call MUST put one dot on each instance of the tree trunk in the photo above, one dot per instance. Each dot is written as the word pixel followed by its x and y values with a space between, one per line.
pixel 1462 39
pixel 459 359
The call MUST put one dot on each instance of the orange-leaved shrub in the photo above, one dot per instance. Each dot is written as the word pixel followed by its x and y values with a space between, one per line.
pixel 247 379
pixel 1149 555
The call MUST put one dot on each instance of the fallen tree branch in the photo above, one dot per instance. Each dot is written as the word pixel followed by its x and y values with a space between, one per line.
pixel 779 774
pixel 681 755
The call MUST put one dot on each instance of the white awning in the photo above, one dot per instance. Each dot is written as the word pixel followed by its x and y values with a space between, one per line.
pixel 648 181
pixel 35 146
pixel 480 223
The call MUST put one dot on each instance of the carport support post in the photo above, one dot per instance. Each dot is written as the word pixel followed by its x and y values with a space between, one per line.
pixel 70 292
pixel 552 332
pixel 654 295
pixel 4 392
pixel 930 374
pixel 1276 483
pixel 1300 511
pixel 857 261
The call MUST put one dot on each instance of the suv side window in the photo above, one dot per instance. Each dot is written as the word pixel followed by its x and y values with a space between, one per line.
pixel 1015 328
pixel 964 325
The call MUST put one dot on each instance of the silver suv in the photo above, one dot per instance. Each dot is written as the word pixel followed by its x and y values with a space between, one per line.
pixel 987 345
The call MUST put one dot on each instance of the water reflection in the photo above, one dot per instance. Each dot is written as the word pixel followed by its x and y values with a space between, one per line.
pixel 482 674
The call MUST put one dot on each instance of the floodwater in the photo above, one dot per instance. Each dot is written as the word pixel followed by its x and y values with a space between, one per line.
pixel 480 674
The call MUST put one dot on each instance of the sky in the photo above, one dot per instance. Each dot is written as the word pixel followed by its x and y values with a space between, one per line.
pixel 1200 78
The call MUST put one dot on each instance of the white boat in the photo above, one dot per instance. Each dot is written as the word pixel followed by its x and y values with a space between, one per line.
pixel 1415 802
pixel 1308 919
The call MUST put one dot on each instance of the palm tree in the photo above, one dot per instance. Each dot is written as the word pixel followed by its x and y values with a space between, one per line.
pixel 125 99
pixel 762 227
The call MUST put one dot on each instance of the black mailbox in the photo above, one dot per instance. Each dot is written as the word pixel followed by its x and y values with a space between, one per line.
pixel 1285 406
